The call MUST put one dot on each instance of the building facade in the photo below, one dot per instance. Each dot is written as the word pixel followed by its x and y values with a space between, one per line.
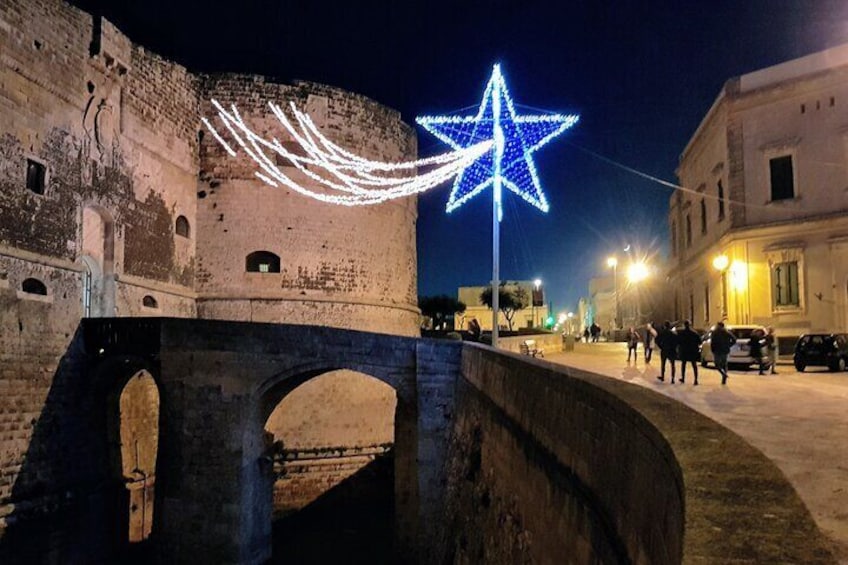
pixel 760 233
pixel 529 317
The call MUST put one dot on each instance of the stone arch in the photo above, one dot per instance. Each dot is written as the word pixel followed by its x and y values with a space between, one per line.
pixel 98 259
pixel 340 465
pixel 131 391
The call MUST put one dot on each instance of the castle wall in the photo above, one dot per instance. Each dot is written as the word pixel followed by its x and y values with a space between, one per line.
pixel 114 129
pixel 115 132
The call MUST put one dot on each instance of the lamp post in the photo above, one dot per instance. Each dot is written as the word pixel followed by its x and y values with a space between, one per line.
pixel 537 284
pixel 613 262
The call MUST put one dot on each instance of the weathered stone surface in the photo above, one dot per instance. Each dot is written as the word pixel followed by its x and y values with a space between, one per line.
pixel 641 473
pixel 117 130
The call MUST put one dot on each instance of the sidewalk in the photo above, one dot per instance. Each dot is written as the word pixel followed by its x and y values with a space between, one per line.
pixel 799 420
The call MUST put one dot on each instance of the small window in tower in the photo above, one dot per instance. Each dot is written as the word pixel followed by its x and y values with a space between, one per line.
pixel 832 101
pixel 35 176
pixel 803 108
pixel 182 227
pixel 34 286
pixel 262 262
pixel 149 302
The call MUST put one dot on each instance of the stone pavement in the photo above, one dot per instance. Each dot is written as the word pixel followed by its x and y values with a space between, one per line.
pixel 799 420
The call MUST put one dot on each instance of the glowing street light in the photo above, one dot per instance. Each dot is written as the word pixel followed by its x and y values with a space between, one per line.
pixel 537 284
pixel 613 263
pixel 720 262
pixel 637 272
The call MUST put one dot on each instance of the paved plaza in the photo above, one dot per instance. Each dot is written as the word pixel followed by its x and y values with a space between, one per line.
pixel 799 420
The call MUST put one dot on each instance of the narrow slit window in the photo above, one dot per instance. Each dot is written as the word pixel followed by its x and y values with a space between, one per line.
pixel 35 176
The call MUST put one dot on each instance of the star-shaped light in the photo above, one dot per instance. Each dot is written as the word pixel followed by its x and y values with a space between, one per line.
pixel 509 163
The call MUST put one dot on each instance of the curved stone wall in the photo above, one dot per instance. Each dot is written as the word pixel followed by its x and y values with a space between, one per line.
pixel 339 266
pixel 651 478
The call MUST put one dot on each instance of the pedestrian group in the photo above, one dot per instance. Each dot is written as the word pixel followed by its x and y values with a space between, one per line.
pixel 685 345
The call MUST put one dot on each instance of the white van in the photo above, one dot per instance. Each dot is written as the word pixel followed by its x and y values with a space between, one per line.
pixel 740 352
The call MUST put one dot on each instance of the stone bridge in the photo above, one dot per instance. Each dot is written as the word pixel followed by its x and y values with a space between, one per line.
pixel 544 461
pixel 217 384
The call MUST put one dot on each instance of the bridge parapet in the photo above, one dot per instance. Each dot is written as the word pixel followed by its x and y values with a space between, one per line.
pixel 653 480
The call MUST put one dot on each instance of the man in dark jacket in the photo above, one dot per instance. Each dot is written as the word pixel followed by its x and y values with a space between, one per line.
pixel 689 343
pixel 720 342
pixel 667 342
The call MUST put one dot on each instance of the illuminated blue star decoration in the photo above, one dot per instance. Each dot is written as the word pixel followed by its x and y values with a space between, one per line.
pixel 509 163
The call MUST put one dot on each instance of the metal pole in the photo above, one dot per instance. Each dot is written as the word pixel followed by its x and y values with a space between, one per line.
pixel 615 289
pixel 496 203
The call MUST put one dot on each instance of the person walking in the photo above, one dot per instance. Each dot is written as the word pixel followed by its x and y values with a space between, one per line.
pixel 650 336
pixel 755 346
pixel 720 342
pixel 632 343
pixel 586 334
pixel 667 342
pixel 770 345
pixel 689 345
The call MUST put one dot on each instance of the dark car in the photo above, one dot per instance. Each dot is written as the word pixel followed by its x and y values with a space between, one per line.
pixel 823 350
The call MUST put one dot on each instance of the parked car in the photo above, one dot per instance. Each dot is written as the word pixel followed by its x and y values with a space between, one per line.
pixel 824 350
pixel 740 352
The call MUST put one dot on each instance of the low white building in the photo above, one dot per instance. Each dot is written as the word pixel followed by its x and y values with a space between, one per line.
pixel 530 317
pixel 760 235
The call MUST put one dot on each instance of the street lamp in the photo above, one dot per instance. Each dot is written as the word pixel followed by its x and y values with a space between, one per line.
pixel 537 284
pixel 637 272
pixel 613 262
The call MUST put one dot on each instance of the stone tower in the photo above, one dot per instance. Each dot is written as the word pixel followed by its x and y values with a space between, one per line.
pixel 350 267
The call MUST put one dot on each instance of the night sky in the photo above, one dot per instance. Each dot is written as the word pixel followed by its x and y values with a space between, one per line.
pixel 642 74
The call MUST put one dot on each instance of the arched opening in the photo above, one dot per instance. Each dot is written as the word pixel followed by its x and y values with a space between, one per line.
pixel 181 227
pixel 149 302
pixel 34 286
pixel 134 441
pixel 331 440
pixel 98 258
pixel 262 262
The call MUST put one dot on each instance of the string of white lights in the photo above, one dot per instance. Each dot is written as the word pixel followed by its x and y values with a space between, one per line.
pixel 337 175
